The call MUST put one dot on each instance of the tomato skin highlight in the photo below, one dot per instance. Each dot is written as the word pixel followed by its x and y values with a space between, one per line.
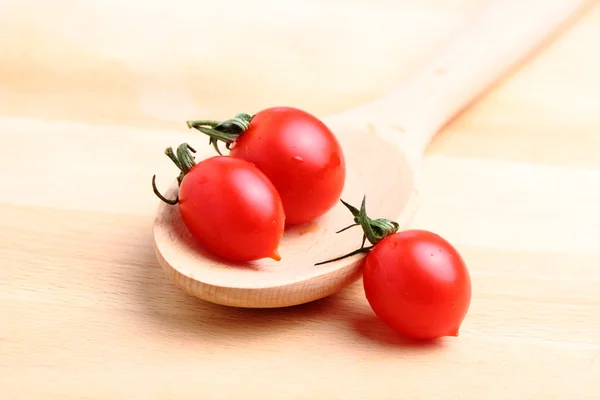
pixel 300 155
pixel 417 283
pixel 232 209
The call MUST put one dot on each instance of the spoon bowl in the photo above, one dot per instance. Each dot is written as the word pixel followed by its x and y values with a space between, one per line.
pixel 295 279
pixel 383 142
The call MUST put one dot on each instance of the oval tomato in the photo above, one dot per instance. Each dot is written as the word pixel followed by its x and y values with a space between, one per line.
pixel 417 283
pixel 296 151
pixel 229 206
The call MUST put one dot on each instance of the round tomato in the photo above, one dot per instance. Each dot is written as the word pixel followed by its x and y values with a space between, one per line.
pixel 229 206
pixel 294 149
pixel 417 283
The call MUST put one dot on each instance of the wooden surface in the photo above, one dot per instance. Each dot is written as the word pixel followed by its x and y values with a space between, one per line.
pixel 391 134
pixel 85 310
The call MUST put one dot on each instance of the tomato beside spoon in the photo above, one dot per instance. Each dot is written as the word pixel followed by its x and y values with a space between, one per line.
pixel 415 281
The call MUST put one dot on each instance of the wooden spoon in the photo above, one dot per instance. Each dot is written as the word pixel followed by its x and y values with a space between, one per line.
pixel 384 142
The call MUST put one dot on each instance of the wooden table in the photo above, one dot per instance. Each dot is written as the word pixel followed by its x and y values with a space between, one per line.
pixel 91 92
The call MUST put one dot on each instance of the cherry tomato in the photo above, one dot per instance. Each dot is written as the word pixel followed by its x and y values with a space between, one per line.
pixel 297 152
pixel 417 283
pixel 229 206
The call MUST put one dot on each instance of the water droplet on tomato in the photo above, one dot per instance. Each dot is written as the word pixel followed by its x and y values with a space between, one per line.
pixel 297 159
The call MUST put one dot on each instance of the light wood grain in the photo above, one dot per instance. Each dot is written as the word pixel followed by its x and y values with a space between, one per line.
pixel 389 133
pixel 86 312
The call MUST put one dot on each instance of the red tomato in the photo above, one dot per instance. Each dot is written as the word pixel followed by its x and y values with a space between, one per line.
pixel 418 284
pixel 298 153
pixel 231 208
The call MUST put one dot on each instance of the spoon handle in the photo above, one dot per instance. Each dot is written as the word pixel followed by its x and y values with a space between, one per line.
pixel 500 37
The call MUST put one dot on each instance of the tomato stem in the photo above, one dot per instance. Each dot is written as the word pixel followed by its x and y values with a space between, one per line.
pixel 227 131
pixel 348 227
pixel 374 230
pixel 352 253
pixel 160 196
pixel 192 124
pixel 184 160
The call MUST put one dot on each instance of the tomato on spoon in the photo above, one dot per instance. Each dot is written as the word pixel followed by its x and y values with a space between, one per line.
pixel 228 205
pixel 294 149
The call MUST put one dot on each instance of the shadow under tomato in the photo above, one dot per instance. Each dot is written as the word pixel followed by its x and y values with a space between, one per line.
pixel 167 308
pixel 370 327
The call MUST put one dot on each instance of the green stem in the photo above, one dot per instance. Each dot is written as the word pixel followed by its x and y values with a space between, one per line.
pixel 216 135
pixel 374 230
pixel 348 227
pixel 160 196
pixel 227 131
pixel 183 158
pixel 352 253
pixel 201 122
